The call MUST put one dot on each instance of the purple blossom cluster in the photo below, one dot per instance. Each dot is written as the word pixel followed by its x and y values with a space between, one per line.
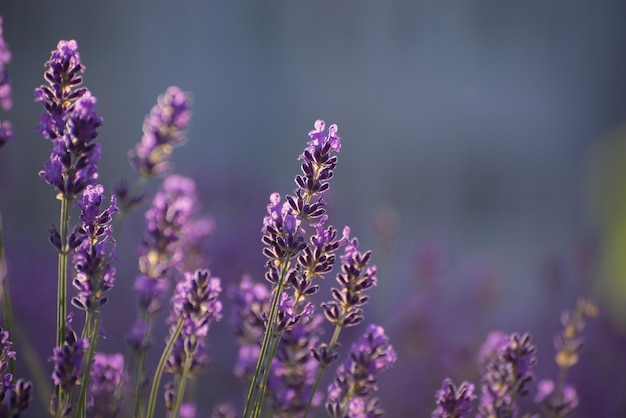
pixel 6 130
pixel 94 247
pixel 14 396
pixel 163 129
pixel 351 394
pixel 172 243
pixel 70 122
pixel 107 378
pixel 196 303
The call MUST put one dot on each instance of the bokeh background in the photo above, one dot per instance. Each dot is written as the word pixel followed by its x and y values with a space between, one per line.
pixel 484 147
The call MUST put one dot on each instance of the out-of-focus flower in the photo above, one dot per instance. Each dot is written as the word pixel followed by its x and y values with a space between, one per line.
pixel 68 359
pixel 351 394
pixel 107 374
pixel 505 377
pixel 454 402
pixel 163 129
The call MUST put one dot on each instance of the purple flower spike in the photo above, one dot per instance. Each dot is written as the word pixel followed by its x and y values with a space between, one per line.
pixel 6 130
pixel 70 122
pixel 107 374
pixel 5 87
pixel 196 302
pixel 67 360
pixel 453 402
pixel 94 248
pixel 506 375
pixel 163 129
pixel 351 394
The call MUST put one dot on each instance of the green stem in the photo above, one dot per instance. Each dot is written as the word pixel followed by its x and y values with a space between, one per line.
pixel 62 271
pixel 180 393
pixel 62 281
pixel 93 318
pixel 141 364
pixel 160 367
pixel 320 371
pixel 266 337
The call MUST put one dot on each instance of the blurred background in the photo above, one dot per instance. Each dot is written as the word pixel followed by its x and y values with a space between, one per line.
pixel 483 158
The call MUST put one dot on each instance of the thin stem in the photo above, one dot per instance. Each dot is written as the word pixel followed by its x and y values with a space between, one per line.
pixel 181 385
pixel 160 367
pixel 62 271
pixel 93 318
pixel 266 336
pixel 320 371
pixel 141 364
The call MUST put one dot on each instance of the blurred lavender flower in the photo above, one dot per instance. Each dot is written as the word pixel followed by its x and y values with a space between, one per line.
pixel 14 397
pixel 68 359
pixel 505 377
pixel 559 400
pixel 5 87
pixel 558 404
pixel 351 394
pixel 196 303
pixel 107 376
pixel 453 402
pixel 167 238
pixel 70 122
pixel 293 369
pixel 6 131
pixel 94 248
pixel 163 129
pixel 188 410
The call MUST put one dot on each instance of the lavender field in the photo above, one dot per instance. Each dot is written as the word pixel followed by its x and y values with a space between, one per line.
pixel 343 209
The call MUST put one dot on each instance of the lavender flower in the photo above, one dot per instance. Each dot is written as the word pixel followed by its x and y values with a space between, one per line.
pixel 562 399
pixel 70 122
pixel 453 402
pixel 6 130
pixel 67 360
pixel 5 87
pixel 293 370
pixel 196 303
pixel 356 277
pixel 351 394
pixel 558 404
pixel 163 129
pixel 163 248
pixel 14 397
pixel 6 355
pixel 505 377
pixel 107 376
pixel 94 250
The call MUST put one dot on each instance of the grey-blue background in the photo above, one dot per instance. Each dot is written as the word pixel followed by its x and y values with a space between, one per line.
pixel 466 123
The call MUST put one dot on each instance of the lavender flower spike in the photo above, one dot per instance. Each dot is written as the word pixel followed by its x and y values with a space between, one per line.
pixel 68 359
pixel 351 394
pixel 70 122
pixel 5 87
pixel 196 302
pixel 163 129
pixel 453 402
pixel 94 250
pixel 6 131
pixel 107 375
pixel 14 397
